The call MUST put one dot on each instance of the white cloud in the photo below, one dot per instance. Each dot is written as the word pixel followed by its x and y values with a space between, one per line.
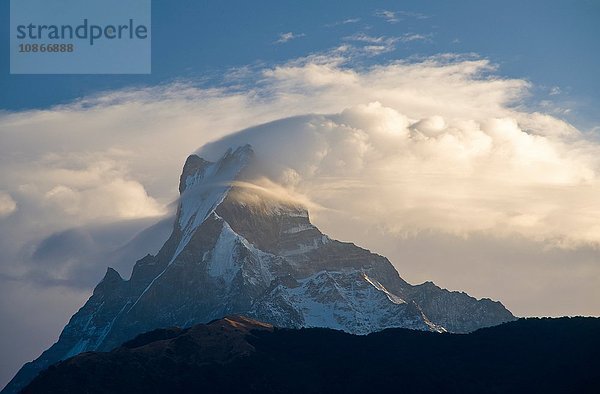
pixel 115 199
pixel 7 204
pixel 397 16
pixel 350 20
pixel 374 45
pixel 442 145
pixel 343 22
pixel 410 37
pixel 458 176
pixel 289 36
pixel 459 128
pixel 387 15
pixel 362 37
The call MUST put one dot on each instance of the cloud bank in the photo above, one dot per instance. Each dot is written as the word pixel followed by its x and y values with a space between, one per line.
pixel 439 144
pixel 453 175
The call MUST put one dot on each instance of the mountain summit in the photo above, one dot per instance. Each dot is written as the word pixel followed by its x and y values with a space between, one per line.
pixel 236 249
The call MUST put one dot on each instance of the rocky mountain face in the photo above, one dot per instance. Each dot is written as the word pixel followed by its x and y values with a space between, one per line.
pixel 239 249
pixel 240 355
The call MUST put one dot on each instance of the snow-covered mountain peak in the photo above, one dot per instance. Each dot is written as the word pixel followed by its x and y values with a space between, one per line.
pixel 204 185
pixel 197 170
pixel 239 248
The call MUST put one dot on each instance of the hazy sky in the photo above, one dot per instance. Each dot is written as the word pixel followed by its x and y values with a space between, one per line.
pixel 458 140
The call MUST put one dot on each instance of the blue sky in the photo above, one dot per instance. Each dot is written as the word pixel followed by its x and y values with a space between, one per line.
pixel 553 44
